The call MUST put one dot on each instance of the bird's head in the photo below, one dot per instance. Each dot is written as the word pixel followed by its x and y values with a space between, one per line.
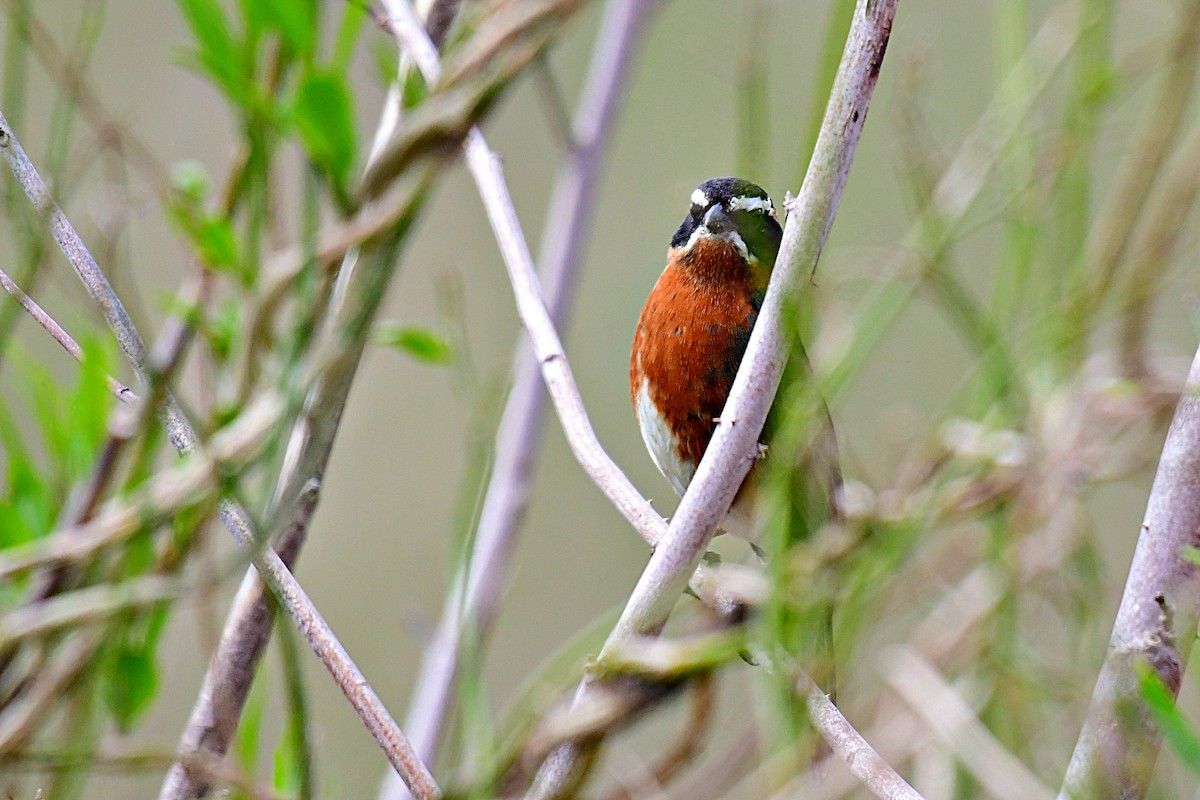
pixel 727 216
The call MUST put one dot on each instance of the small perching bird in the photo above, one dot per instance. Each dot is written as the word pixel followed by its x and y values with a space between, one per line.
pixel 688 345
pixel 695 326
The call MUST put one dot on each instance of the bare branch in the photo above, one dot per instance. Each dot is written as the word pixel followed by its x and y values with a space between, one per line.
pixel 556 371
pixel 318 633
pixel 215 715
pixel 74 83
pixel 940 707
pixel 735 441
pixel 866 764
pixel 1155 624
pixel 122 392
pixel 20 718
pixel 195 478
pixel 519 431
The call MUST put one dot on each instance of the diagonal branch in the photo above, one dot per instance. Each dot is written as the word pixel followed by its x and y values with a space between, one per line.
pixel 1155 625
pixel 285 586
pixel 953 721
pixel 120 390
pixel 853 748
pixel 472 608
pixel 378 228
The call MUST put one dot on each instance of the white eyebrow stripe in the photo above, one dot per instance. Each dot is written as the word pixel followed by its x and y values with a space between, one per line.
pixel 743 203
pixel 699 198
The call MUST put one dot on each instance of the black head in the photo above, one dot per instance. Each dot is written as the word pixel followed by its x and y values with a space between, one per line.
pixel 736 211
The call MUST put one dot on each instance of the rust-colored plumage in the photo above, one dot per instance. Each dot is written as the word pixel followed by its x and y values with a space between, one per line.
pixel 689 341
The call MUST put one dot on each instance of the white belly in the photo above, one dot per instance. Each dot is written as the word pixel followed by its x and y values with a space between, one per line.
pixel 657 436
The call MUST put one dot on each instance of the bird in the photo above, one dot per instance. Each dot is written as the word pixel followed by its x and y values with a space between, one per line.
pixel 694 328
pixel 689 341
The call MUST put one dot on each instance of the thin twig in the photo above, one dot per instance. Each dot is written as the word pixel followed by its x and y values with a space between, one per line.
pixel 194 479
pixel 850 745
pixel 1166 220
pixel 122 392
pixel 1155 625
pixel 65 72
pixel 312 436
pixel 734 445
pixel 1113 231
pixel 214 718
pixel 691 741
pixel 547 345
pixel 949 716
pixel 517 438
pixel 73 608
pixel 20 719
pixel 318 633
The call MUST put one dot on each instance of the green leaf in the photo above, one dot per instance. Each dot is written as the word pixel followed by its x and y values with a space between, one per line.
pixel 189 182
pixel 30 512
pixel 218 244
pixel 217 50
pixel 347 36
pixel 296 20
pixel 48 409
pixel 210 27
pixel 245 743
pixel 324 115
pixel 1179 733
pixel 131 681
pixel 420 343
pixel 89 407
pixel 223 327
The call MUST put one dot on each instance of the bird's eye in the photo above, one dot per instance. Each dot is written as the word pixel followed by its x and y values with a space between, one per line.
pixel 697 211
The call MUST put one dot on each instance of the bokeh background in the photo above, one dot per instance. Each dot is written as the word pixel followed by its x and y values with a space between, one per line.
pixel 380 552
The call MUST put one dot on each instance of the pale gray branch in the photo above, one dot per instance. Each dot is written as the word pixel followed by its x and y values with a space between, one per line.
pixel 122 392
pixel 472 608
pixel 1155 625
pixel 948 715
pixel 285 586
pixel 850 745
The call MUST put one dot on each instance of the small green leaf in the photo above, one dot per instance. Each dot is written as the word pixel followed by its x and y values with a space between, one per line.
pixel 288 770
pixel 246 741
pixel 420 343
pixel 210 27
pixel 131 681
pixel 218 244
pixel 353 17
pixel 189 181
pixel 324 115
pixel 1179 733
pixel 48 408
pixel 89 407
pixel 216 53
pixel 223 327
pixel 296 20
pixel 32 507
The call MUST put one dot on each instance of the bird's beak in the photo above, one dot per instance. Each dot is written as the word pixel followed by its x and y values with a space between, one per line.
pixel 717 221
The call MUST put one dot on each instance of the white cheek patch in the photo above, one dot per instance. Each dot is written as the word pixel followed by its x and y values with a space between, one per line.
pixel 656 433
pixel 699 198
pixel 743 203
